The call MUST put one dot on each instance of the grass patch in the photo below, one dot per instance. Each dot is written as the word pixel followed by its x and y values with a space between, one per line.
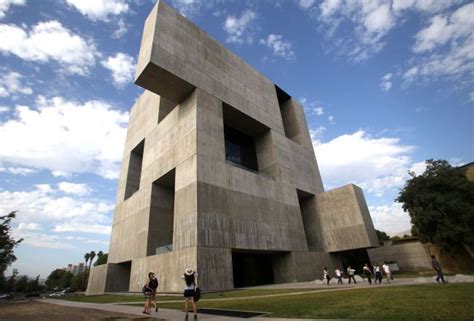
pixel 116 298
pixel 413 302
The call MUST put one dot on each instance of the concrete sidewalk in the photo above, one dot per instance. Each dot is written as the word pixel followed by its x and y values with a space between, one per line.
pixel 162 314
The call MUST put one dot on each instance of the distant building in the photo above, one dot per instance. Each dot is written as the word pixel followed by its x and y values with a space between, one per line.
pixel 468 170
pixel 76 269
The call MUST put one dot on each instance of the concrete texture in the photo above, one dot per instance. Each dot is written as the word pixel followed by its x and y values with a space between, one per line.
pixel 213 208
pixel 409 256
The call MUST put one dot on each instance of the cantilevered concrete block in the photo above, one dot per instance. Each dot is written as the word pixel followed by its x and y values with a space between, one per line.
pixel 345 220
pixel 219 173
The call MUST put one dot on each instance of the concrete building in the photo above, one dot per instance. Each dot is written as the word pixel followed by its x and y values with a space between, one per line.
pixel 219 173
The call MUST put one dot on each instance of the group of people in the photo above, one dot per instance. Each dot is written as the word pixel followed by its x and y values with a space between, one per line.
pixel 191 292
pixel 376 271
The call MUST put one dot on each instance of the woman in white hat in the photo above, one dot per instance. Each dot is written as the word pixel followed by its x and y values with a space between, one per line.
pixel 190 278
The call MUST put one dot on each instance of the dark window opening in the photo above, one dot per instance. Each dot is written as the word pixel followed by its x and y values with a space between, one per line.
pixel 240 134
pixel 305 201
pixel 166 106
pixel 288 115
pixel 160 234
pixel 134 170
pixel 121 281
pixel 240 149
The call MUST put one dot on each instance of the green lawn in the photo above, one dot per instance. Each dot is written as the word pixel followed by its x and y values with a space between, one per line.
pixel 113 298
pixel 414 302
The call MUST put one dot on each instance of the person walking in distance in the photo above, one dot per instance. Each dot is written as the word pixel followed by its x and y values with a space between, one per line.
pixel 350 273
pixel 437 268
pixel 388 273
pixel 367 272
pixel 154 286
pixel 378 273
pixel 190 279
pixel 326 275
pixel 338 276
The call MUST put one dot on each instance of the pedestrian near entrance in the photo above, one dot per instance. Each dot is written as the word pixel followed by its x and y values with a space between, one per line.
pixel 367 272
pixel 388 273
pixel 437 268
pixel 154 287
pixel 190 279
pixel 326 275
pixel 378 273
pixel 350 273
pixel 338 276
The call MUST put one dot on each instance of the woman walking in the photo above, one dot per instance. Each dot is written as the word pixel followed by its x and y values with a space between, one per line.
pixel 190 279
pixel 148 292
pixel 378 273
pixel 326 275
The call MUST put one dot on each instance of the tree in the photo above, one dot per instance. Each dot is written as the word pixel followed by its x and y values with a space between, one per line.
pixel 78 282
pixel 7 243
pixel 86 258
pixel 440 203
pixel 101 259
pixel 22 284
pixel 382 235
pixel 59 278
pixel 92 256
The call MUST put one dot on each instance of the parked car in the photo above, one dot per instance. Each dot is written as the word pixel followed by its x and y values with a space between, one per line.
pixel 32 294
pixel 55 294
pixel 6 296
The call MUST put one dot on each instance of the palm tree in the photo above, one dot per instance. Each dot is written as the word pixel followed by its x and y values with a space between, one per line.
pixel 87 256
pixel 92 256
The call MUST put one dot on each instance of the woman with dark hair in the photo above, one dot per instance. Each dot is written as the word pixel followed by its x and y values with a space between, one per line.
pixel 148 292
pixel 190 279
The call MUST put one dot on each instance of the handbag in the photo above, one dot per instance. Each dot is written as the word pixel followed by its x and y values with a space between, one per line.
pixel 197 294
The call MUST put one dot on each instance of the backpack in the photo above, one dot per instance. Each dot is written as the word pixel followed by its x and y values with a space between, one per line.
pixel 189 279
pixel 146 290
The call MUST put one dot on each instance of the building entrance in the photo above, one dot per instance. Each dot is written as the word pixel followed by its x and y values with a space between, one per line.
pixel 250 269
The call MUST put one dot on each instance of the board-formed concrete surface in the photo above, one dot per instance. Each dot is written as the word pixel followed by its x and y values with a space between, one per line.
pixel 219 173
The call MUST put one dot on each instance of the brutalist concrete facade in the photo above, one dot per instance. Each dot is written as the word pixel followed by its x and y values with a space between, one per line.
pixel 219 173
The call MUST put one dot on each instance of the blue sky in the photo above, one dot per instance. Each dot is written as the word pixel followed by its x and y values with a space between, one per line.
pixel 385 84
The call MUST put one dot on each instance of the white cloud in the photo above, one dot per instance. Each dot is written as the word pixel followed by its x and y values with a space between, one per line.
pixel 331 119
pixel 376 164
pixel 471 96
pixel 74 188
pixel 390 218
pixel 371 21
pixel 237 27
pixel 386 82
pixel 44 206
pixel 49 41
pixel 5 5
pixel 444 48
pixel 84 228
pixel 305 4
pixel 418 168
pixel 65 136
pixel 61 174
pixel 121 30
pixel 122 67
pixel 426 6
pixel 4 109
pixel 18 170
pixel 10 84
pixel 319 111
pixel 317 135
pixel 281 47
pixel 29 226
pixel 443 29
pixel 99 9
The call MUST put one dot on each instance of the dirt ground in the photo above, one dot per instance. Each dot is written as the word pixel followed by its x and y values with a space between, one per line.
pixel 38 311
